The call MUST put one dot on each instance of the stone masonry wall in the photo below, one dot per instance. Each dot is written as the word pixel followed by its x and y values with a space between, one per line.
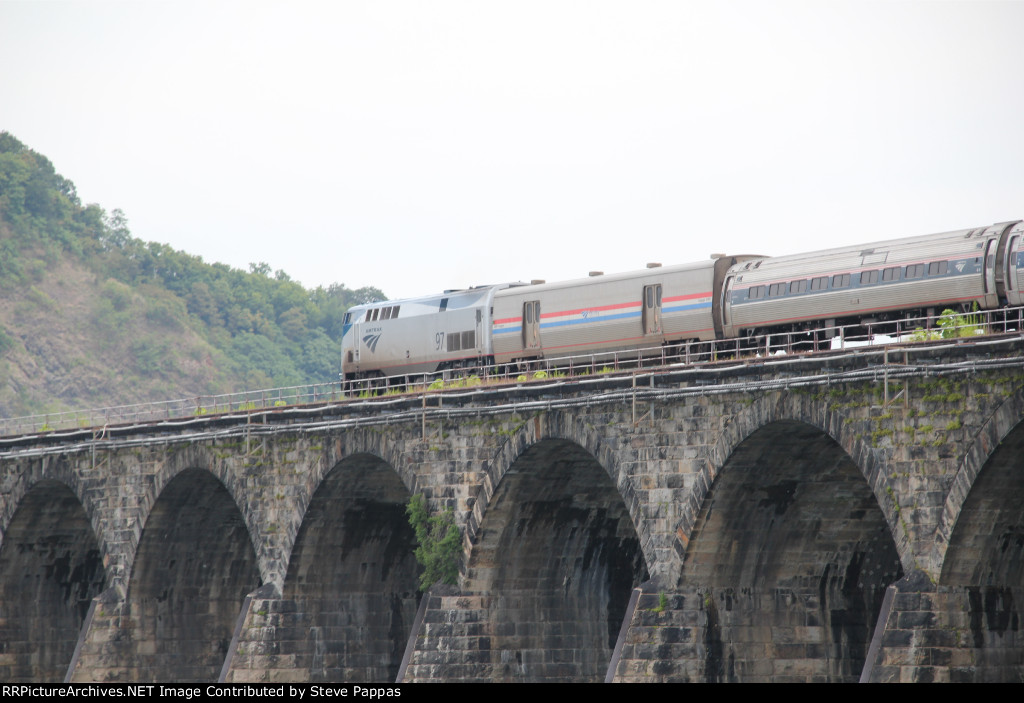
pixel 923 477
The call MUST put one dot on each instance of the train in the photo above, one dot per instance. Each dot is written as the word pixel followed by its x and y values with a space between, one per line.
pixel 524 325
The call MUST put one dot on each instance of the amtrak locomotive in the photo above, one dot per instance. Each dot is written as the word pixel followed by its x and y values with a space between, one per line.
pixel 729 296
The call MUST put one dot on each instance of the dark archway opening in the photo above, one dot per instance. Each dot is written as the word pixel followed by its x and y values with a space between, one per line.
pixel 557 555
pixel 193 568
pixel 50 570
pixel 793 555
pixel 985 559
pixel 353 575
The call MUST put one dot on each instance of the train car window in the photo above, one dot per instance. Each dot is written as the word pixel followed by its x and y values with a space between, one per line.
pixel 868 277
pixel 776 289
pixel 938 268
pixel 819 283
pixel 841 280
pixel 798 286
pixel 914 271
pixel 756 292
pixel 891 274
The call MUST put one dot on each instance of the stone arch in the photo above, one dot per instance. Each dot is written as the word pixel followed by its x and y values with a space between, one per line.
pixel 178 459
pixel 561 426
pixel 24 476
pixel 979 540
pixel 789 538
pixel 368 441
pixel 979 549
pixel 51 567
pixel 192 569
pixel 784 407
pixel 352 576
pixel 555 558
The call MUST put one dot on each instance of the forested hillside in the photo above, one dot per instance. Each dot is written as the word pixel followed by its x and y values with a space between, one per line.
pixel 92 316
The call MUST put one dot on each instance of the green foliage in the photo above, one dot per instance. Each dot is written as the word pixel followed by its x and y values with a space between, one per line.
pixel 952 325
pixel 439 544
pixel 256 354
pixel 140 290
pixel 955 324
pixel 662 603
pixel 6 341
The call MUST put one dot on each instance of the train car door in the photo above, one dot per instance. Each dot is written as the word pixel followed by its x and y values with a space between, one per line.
pixel 726 330
pixel 652 309
pixel 1014 295
pixel 989 275
pixel 531 324
pixel 353 353
pixel 478 339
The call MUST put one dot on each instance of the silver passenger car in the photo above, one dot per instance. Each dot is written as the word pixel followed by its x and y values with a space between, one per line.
pixel 609 313
pixel 915 275
pixel 418 335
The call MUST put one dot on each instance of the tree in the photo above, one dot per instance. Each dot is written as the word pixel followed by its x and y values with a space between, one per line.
pixel 439 543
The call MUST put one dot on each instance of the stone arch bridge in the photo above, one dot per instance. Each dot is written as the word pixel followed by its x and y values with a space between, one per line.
pixel 828 518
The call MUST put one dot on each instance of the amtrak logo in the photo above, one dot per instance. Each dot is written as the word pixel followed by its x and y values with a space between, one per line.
pixel 959 266
pixel 370 341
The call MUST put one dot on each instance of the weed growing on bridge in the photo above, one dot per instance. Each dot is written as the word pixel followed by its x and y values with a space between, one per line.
pixel 438 543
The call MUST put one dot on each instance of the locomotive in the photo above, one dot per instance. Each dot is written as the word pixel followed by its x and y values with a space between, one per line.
pixel 730 296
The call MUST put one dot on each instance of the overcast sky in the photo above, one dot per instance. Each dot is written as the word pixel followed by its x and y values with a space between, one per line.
pixel 417 146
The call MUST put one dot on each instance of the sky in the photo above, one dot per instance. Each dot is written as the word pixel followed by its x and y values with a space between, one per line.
pixel 421 146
